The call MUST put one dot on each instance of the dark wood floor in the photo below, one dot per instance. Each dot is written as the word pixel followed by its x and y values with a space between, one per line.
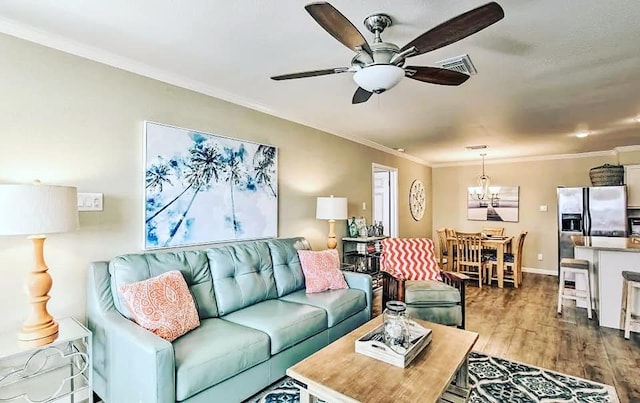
pixel 522 325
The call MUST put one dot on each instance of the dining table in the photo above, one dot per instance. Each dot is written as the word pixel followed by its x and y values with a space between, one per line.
pixel 500 243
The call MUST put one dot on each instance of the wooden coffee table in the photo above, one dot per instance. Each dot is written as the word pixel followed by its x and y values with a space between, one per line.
pixel 338 374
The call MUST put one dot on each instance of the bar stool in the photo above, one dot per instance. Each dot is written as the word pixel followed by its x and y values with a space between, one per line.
pixel 630 284
pixel 579 267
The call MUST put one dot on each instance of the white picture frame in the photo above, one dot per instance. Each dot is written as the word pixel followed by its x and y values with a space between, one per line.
pixel 500 204
pixel 204 188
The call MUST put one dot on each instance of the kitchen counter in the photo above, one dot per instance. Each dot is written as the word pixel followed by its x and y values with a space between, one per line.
pixel 607 243
pixel 608 257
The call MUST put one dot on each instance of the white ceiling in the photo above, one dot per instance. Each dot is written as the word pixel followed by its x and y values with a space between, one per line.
pixel 546 70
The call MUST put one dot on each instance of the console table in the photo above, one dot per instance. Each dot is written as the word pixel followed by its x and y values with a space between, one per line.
pixel 59 371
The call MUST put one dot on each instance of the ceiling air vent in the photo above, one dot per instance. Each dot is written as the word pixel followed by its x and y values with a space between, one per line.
pixel 478 147
pixel 461 64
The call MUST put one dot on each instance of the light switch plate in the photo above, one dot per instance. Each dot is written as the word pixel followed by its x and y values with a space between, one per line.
pixel 543 207
pixel 90 201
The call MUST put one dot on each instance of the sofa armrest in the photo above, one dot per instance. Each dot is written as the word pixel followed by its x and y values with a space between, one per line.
pixel 459 281
pixel 392 288
pixel 362 282
pixel 142 365
pixel 130 364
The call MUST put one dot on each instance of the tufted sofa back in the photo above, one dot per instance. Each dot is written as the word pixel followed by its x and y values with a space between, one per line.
pixel 222 279
pixel 193 265
pixel 287 271
pixel 242 275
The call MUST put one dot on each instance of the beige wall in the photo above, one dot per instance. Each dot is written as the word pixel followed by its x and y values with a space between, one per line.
pixel 69 121
pixel 537 180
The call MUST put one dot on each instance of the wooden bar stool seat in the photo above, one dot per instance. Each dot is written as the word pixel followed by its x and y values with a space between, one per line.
pixel 630 285
pixel 579 267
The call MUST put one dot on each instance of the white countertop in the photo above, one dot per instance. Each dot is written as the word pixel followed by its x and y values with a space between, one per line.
pixel 607 243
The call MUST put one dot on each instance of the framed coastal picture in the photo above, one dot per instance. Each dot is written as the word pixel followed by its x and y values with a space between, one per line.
pixel 499 204
pixel 203 188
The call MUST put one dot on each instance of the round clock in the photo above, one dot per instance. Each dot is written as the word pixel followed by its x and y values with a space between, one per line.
pixel 417 200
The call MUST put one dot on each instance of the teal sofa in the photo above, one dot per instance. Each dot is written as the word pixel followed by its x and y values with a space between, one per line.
pixel 256 320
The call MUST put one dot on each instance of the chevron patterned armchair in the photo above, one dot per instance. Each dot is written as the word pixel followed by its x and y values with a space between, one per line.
pixel 411 274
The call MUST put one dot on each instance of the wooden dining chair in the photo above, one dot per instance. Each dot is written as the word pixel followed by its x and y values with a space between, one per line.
pixel 443 253
pixel 469 257
pixel 497 231
pixel 491 231
pixel 512 264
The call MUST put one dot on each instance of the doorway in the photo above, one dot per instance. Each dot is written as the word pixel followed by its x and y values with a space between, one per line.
pixel 385 198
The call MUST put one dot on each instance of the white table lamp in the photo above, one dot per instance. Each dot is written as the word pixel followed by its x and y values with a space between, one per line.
pixel 36 210
pixel 332 209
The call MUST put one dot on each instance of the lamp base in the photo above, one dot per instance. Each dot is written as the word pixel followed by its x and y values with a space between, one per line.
pixel 40 328
pixel 332 243
pixel 38 335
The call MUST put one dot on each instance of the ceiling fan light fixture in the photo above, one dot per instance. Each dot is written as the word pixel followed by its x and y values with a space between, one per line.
pixel 378 78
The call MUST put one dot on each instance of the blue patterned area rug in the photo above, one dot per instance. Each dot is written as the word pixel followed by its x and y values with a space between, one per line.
pixel 493 380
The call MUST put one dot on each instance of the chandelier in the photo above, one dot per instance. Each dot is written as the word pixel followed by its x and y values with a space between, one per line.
pixel 483 191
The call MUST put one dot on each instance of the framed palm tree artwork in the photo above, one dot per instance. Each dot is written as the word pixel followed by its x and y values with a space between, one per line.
pixel 204 188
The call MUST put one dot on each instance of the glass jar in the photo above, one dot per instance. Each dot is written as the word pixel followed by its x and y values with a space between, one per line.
pixel 396 328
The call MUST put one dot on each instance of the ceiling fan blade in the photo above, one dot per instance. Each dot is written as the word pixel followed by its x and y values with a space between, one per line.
pixel 435 75
pixel 338 26
pixel 361 95
pixel 313 73
pixel 457 28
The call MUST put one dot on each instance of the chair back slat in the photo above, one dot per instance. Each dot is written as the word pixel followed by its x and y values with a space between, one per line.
pixel 495 231
pixel 469 254
pixel 520 249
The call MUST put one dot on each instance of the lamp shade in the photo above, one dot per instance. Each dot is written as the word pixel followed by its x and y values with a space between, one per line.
pixel 37 209
pixel 331 208
pixel 378 77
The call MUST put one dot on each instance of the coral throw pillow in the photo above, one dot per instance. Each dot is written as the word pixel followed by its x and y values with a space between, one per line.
pixel 321 270
pixel 162 305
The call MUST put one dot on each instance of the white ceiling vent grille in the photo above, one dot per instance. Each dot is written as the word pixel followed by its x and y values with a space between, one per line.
pixel 461 64
pixel 477 147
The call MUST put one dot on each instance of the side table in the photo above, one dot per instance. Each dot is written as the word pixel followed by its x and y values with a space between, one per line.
pixel 59 371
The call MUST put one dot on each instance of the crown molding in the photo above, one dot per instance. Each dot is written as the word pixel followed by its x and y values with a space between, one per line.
pixel 608 153
pixel 626 149
pixel 63 44
pixel 32 34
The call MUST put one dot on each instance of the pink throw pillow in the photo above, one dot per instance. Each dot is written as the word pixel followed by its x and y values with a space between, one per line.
pixel 321 270
pixel 162 305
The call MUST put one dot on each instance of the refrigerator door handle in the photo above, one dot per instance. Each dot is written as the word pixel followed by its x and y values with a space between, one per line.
pixel 585 212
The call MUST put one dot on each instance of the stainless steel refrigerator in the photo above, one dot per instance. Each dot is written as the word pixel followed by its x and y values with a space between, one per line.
pixel 593 211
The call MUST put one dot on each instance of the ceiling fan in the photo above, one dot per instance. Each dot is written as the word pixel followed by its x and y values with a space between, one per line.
pixel 380 66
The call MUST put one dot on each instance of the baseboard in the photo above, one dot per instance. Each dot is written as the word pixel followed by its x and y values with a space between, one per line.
pixel 546 272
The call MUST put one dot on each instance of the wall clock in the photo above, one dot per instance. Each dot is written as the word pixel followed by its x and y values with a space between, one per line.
pixel 417 200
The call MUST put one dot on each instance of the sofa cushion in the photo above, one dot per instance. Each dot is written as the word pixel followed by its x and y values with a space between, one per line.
pixel 162 305
pixel 339 304
pixel 242 275
pixel 444 315
pixel 286 323
pixel 430 292
pixel 193 265
pixel 321 270
pixel 215 351
pixel 287 271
